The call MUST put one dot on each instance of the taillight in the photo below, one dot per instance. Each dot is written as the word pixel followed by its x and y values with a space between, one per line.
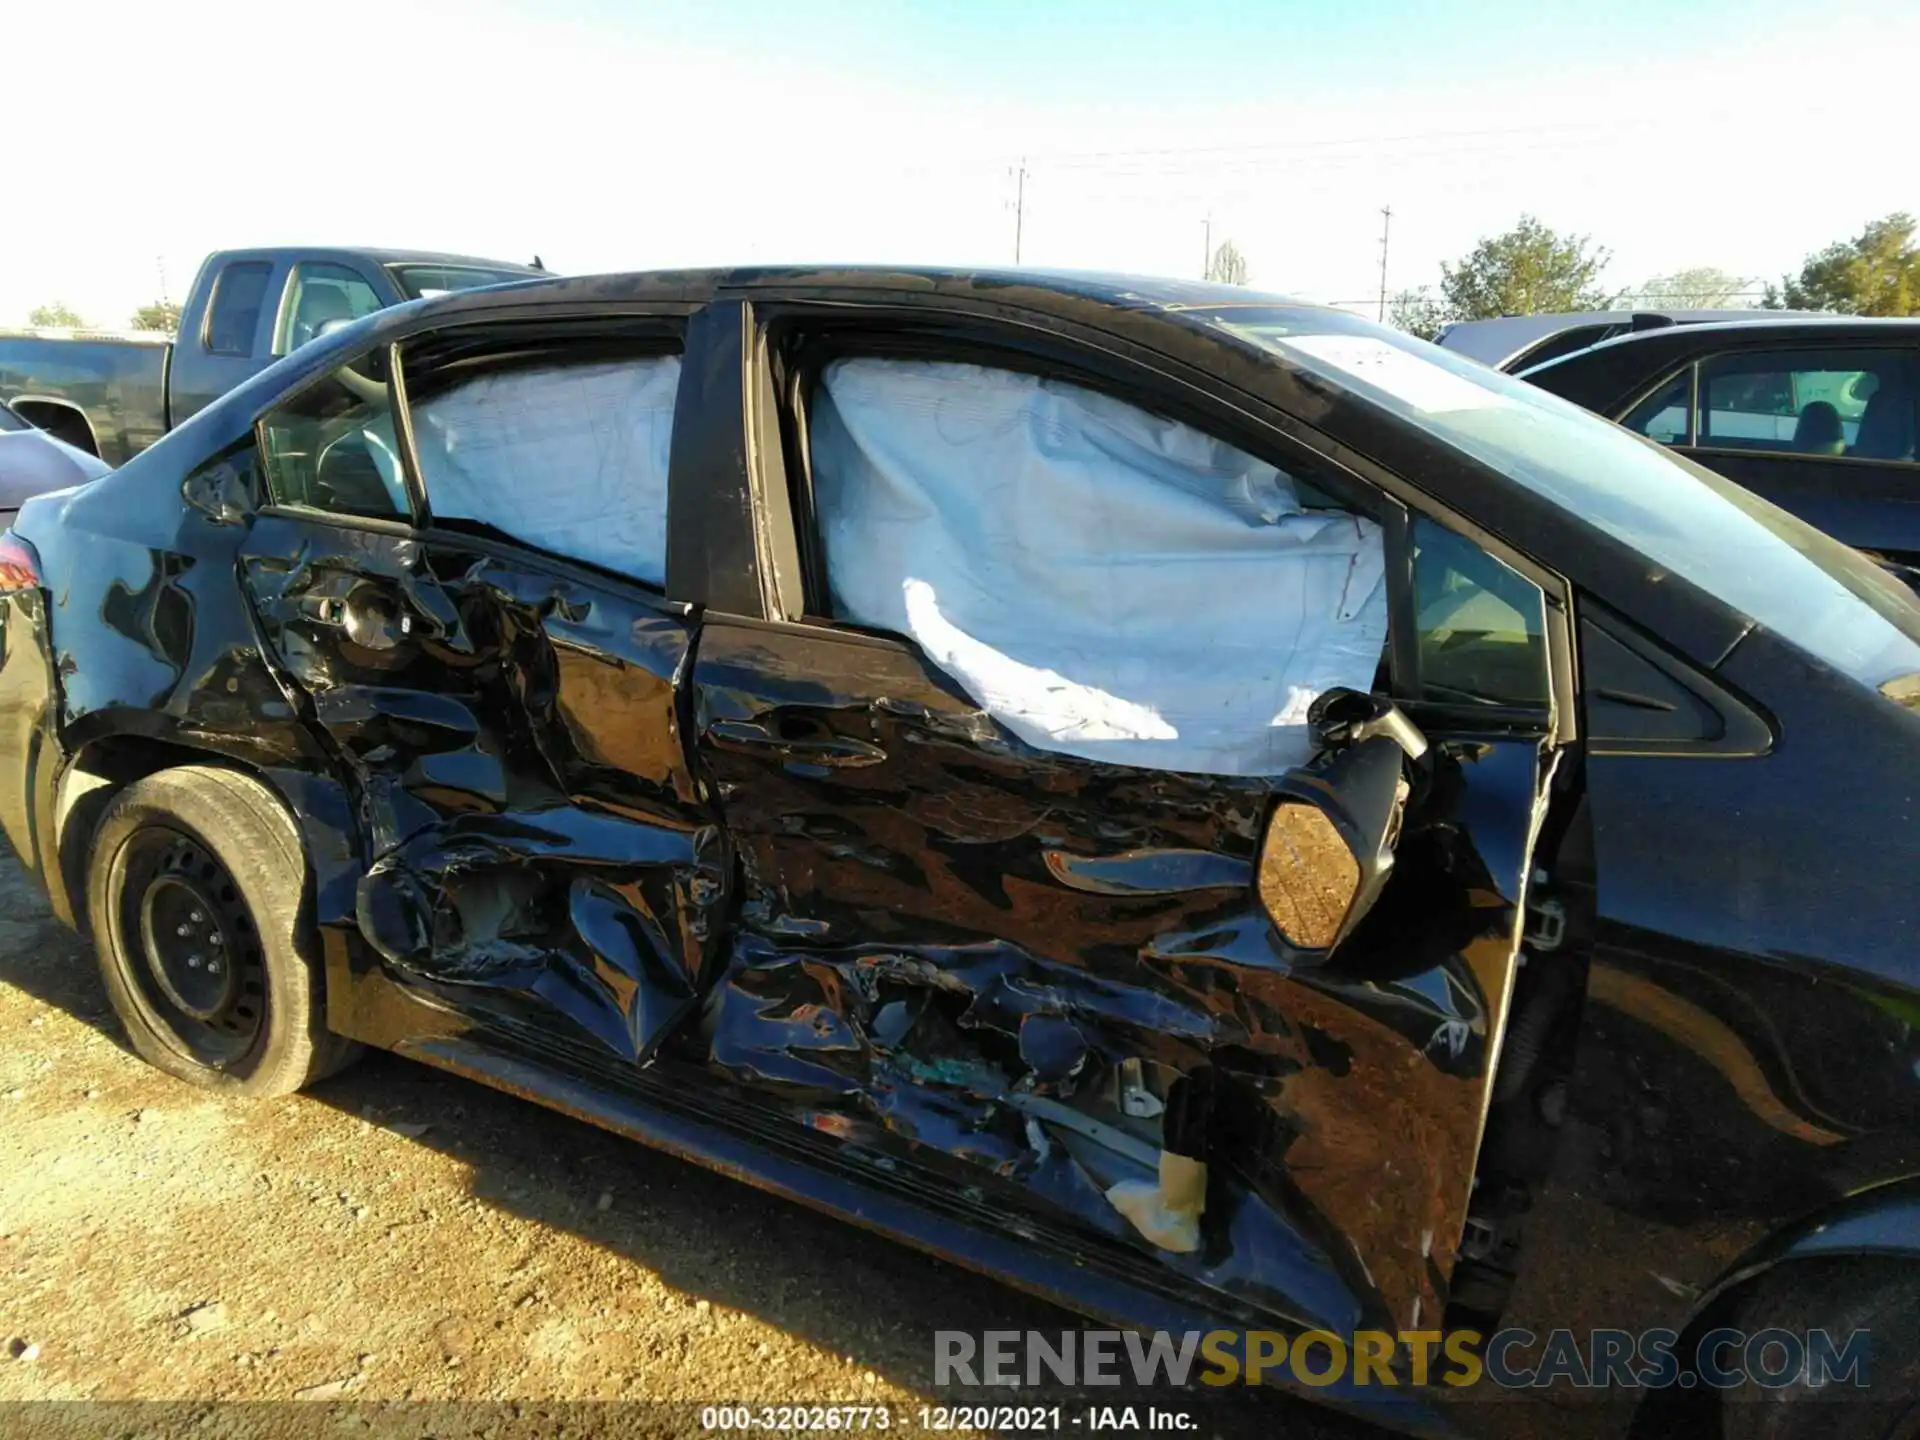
pixel 19 566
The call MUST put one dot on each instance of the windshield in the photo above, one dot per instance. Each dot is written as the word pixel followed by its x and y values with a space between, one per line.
pixel 11 421
pixel 1810 589
pixel 423 282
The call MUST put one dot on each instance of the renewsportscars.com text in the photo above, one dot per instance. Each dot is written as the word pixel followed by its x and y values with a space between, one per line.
pixel 1511 1359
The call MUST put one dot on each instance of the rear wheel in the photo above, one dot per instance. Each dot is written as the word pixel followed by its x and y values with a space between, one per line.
pixel 195 893
pixel 1878 1295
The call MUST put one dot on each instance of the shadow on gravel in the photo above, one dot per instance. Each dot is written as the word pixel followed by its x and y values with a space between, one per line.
pixel 868 1300
pixel 40 956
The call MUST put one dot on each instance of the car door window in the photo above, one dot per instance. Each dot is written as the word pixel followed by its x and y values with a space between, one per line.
pixel 1855 403
pixel 1482 624
pixel 318 293
pixel 1663 415
pixel 331 447
pixel 1104 581
pixel 233 317
pixel 570 459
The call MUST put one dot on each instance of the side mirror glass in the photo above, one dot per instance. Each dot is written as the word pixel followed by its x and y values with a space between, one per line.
pixel 220 492
pixel 1329 842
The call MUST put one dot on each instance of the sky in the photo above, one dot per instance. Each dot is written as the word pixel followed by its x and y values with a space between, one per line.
pixel 634 134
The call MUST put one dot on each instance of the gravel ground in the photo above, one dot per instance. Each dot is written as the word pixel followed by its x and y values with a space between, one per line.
pixel 399 1235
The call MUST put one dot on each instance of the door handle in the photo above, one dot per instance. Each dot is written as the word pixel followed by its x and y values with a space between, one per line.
pixel 797 742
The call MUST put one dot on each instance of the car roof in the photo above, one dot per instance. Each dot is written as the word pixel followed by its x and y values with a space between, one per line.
pixel 377 254
pixel 1498 341
pixel 1106 290
pixel 1215 329
pixel 1763 331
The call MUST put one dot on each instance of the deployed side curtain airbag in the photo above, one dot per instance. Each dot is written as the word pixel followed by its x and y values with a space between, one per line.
pixel 1104 582
pixel 570 459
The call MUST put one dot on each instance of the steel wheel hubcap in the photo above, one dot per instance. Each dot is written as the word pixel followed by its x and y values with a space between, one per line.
pixel 187 948
pixel 196 955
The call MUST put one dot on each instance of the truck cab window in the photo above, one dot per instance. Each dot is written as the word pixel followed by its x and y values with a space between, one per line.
pixel 234 317
pixel 321 292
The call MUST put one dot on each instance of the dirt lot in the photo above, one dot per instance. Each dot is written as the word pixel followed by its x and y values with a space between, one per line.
pixel 404 1236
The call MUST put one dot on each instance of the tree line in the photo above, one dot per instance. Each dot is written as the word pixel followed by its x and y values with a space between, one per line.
pixel 160 315
pixel 1533 270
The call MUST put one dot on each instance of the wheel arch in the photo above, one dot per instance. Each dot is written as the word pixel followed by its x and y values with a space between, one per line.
pixel 103 764
pixel 62 419
pixel 1878 1221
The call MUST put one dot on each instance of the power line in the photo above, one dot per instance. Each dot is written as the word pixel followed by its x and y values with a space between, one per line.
pixel 1064 157
pixel 1386 221
pixel 1019 206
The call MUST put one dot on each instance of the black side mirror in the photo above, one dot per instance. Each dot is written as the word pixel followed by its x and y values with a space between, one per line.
pixel 1329 843
pixel 220 492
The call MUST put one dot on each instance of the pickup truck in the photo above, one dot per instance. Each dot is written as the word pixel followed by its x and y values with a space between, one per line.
pixel 113 395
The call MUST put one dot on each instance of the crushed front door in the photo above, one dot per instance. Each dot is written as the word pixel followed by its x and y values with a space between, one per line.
pixel 1058 981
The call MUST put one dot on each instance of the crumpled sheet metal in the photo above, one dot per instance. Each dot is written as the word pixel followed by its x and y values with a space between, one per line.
pixel 939 1051
pixel 1350 1092
pixel 589 913
pixel 534 829
pixel 962 843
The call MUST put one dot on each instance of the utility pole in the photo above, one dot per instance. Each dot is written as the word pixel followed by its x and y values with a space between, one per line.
pixel 160 262
pixel 1019 206
pixel 1386 222
pixel 1206 248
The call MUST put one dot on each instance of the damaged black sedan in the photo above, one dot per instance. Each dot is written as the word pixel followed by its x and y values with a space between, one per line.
pixel 1206 807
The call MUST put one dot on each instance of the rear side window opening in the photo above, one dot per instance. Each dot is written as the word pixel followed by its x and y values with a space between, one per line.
pixel 561 451
pixel 331 447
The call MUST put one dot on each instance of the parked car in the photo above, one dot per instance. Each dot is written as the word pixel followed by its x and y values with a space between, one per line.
pixel 1513 342
pixel 1815 414
pixel 1208 808
pixel 33 462
pixel 113 395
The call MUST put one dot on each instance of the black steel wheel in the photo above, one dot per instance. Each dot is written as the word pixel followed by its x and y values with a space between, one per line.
pixel 196 894
pixel 201 970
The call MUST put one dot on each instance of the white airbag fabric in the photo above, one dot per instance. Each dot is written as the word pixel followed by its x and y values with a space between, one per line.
pixel 570 459
pixel 1104 582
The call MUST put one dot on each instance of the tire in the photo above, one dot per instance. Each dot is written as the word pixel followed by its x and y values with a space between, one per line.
pixel 239 1004
pixel 1878 1294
